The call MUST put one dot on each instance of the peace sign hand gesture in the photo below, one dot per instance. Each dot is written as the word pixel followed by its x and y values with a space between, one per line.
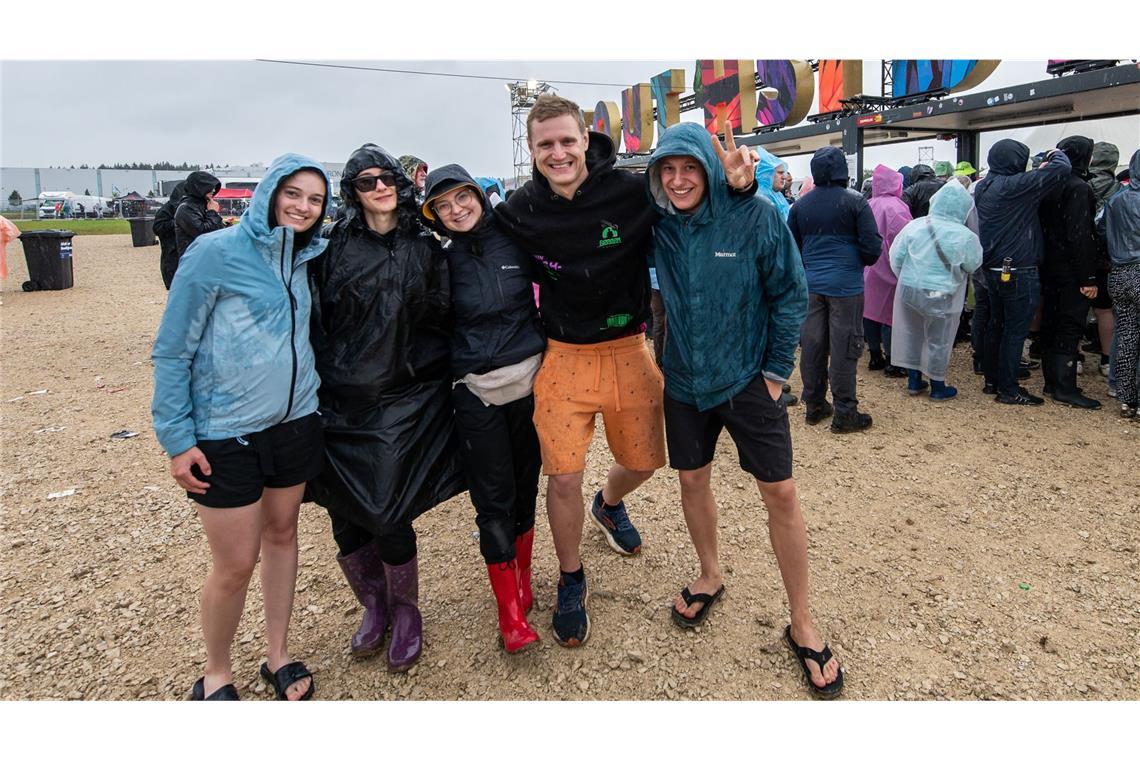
pixel 739 162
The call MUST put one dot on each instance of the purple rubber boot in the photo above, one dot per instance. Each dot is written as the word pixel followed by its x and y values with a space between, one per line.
pixel 365 574
pixel 407 625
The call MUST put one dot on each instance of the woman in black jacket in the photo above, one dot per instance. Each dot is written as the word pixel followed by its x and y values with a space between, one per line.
pixel 379 332
pixel 496 349
pixel 198 213
pixel 165 231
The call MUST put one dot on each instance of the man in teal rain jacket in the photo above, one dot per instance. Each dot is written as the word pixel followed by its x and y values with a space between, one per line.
pixel 735 292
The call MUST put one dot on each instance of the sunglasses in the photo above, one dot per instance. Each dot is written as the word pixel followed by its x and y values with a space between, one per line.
pixel 367 184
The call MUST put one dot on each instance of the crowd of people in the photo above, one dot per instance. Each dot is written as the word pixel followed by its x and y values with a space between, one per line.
pixel 437 338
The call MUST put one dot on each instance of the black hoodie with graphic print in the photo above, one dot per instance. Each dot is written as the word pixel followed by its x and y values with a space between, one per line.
pixel 592 250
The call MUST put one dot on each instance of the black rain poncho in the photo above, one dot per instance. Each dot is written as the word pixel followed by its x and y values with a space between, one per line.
pixel 380 334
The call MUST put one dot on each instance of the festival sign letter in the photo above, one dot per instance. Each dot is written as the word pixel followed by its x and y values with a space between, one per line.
pixel 795 84
pixel 913 77
pixel 637 118
pixel 726 90
pixel 667 88
pixel 838 80
pixel 607 120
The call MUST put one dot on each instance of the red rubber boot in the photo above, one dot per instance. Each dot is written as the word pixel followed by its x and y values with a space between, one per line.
pixel 516 633
pixel 524 544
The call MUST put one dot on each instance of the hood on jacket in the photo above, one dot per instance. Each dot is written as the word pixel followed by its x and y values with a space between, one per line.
pixel 368 156
pixel 905 172
pixel 952 202
pixel 1133 167
pixel 443 180
pixel 687 139
pixel 765 172
pixel 886 181
pixel 1008 157
pixel 921 172
pixel 1102 170
pixel 179 192
pixel 259 221
pixel 1079 149
pixel 829 167
pixel 200 183
pixel 409 164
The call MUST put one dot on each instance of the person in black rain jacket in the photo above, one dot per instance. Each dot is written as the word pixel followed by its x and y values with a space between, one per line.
pixel 164 229
pixel 380 317
pixel 198 213
pixel 496 349
pixel 921 188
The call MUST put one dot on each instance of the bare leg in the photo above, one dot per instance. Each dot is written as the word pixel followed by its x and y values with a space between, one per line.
pixel 621 481
pixel 279 509
pixel 699 505
pixel 565 510
pixel 234 536
pixel 789 543
pixel 1104 327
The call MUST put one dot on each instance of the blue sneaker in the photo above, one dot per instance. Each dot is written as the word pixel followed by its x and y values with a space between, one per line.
pixel 571 621
pixel 620 534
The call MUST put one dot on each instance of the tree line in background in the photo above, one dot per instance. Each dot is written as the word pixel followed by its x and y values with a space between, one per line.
pixel 159 166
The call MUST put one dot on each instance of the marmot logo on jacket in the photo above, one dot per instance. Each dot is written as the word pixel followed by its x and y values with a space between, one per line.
pixel 725 254
pixel 610 235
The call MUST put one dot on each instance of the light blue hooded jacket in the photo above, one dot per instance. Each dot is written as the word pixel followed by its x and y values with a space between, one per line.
pixel 914 257
pixel 765 171
pixel 731 278
pixel 232 355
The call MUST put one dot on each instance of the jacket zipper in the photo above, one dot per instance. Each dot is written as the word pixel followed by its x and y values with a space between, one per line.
pixel 292 327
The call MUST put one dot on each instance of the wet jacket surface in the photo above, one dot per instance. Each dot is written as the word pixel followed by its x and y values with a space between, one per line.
pixel 834 229
pixel 765 172
pixel 1008 200
pixel 1067 221
pixel 891 215
pixel 923 185
pixel 592 250
pixel 914 256
pixel 192 217
pixel 1122 219
pixel 1102 172
pixel 496 323
pixel 380 335
pixel 232 355
pixel 732 281
pixel 164 224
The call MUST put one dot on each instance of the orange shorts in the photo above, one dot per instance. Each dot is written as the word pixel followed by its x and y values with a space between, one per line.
pixel 618 379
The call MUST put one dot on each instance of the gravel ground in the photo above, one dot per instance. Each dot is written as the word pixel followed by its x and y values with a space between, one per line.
pixel 959 551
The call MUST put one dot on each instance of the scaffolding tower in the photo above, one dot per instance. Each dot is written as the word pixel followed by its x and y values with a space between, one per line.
pixel 523 95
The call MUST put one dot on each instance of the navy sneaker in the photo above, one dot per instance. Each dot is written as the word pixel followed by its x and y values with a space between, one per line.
pixel 620 534
pixel 571 621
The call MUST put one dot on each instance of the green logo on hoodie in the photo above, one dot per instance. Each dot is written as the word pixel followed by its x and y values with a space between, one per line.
pixel 619 320
pixel 610 235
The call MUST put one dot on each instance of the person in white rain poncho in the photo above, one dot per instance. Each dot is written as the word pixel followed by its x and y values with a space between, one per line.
pixel 933 256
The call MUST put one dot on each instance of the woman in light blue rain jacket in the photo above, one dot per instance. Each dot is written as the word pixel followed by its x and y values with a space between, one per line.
pixel 235 402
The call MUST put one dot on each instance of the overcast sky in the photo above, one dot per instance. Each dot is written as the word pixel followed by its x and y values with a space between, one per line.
pixel 242 111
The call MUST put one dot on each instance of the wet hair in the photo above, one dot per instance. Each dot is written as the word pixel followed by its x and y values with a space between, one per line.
pixel 548 106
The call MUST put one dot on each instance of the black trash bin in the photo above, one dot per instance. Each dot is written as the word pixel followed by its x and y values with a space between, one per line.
pixel 48 253
pixel 142 231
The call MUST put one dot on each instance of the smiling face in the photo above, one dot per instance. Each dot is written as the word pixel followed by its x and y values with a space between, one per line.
pixel 379 200
pixel 684 181
pixel 459 209
pixel 558 146
pixel 300 200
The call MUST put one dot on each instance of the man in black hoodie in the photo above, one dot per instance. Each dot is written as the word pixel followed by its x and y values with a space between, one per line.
pixel 165 230
pixel 589 226
pixel 923 185
pixel 1007 201
pixel 198 213
pixel 1068 274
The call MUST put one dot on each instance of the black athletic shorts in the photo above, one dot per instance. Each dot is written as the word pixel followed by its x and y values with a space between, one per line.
pixel 758 425
pixel 281 456
pixel 1103 299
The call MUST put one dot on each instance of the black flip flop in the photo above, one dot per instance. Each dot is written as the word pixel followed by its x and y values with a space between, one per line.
pixel 803 654
pixel 706 601
pixel 286 676
pixel 225 693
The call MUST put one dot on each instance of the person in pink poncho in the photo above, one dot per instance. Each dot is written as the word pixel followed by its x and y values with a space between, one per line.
pixel 8 233
pixel 891 215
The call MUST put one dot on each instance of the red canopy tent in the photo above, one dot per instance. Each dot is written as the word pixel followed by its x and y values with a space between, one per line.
pixel 232 194
pixel 233 200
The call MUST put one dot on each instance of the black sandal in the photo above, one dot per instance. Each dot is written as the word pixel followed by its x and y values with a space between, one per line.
pixel 225 693
pixel 803 654
pixel 706 601
pixel 286 676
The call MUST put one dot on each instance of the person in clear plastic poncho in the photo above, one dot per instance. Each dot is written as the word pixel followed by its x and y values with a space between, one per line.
pixel 933 257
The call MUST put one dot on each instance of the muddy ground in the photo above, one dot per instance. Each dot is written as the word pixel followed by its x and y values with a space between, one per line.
pixel 959 551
